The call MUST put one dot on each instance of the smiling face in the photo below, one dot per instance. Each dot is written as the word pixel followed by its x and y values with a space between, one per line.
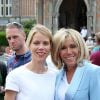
pixel 69 52
pixel 40 47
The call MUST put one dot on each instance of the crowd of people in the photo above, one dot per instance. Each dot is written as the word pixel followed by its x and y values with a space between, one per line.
pixel 63 66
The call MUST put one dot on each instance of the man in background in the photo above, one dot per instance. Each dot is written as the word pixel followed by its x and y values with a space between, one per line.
pixel 16 38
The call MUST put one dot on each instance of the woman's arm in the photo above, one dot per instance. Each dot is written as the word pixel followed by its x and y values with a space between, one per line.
pixel 10 95
pixel 95 84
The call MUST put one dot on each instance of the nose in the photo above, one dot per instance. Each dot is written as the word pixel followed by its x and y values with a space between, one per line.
pixel 41 46
pixel 68 50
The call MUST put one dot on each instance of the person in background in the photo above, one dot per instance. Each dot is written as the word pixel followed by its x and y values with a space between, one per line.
pixel 33 80
pixel 2 56
pixel 16 38
pixel 8 53
pixel 84 32
pixel 3 74
pixel 95 58
pixel 5 54
pixel 8 50
pixel 78 79
pixel 90 44
pixel 97 40
pixel 93 36
pixel 95 53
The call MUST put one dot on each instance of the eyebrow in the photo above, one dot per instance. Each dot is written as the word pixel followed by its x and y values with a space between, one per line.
pixel 9 37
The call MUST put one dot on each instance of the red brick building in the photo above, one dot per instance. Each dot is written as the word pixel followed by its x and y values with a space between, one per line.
pixel 54 13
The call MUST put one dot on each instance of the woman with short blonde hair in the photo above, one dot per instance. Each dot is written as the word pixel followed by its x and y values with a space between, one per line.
pixel 77 79
pixel 59 39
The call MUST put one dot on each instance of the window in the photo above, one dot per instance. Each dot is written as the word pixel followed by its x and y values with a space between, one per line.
pixel 1 1
pixel 10 1
pixel 5 8
pixel 1 8
pixel 6 1
pixel 10 10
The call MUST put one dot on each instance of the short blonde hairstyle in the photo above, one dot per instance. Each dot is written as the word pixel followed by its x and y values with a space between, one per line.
pixel 58 42
pixel 39 29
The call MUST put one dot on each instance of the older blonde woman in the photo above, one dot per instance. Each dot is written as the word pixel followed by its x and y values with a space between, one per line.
pixel 78 79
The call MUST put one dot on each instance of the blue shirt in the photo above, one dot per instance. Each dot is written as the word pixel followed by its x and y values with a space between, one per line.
pixel 18 60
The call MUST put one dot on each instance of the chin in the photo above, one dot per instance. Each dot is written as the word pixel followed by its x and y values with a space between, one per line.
pixel 71 64
pixel 41 59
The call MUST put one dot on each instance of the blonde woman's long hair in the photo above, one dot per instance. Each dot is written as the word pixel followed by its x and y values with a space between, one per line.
pixel 58 41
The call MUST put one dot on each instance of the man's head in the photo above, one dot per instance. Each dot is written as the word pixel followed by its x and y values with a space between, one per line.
pixel 15 36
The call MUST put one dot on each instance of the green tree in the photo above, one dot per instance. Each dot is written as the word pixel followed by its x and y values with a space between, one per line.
pixel 28 24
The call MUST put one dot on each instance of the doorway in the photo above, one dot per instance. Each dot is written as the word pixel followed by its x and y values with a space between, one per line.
pixel 72 14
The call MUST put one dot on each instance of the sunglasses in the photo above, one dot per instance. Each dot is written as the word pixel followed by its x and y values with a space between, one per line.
pixel 16 24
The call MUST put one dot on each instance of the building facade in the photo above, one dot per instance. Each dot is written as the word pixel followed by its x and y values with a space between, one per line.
pixel 71 13
pixel 53 13
pixel 17 10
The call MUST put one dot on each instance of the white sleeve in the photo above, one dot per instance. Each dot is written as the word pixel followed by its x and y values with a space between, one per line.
pixel 12 82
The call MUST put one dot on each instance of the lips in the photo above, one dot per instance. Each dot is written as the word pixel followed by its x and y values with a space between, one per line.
pixel 70 58
pixel 41 53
